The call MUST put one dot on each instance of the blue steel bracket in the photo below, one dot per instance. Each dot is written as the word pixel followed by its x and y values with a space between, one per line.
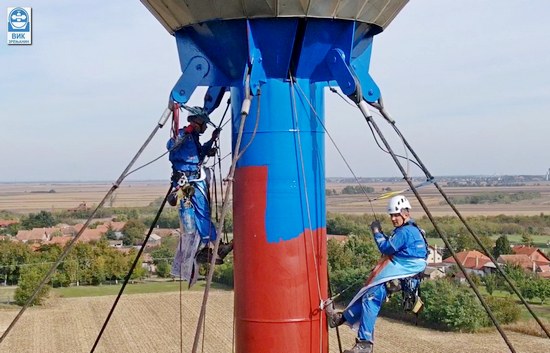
pixel 213 98
pixel 355 86
pixel 257 74
pixel 343 74
pixel 195 71
pixel 360 66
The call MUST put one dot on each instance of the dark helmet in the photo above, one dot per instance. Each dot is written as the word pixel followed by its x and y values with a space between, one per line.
pixel 199 119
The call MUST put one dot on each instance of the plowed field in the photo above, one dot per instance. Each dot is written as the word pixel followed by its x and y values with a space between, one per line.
pixel 149 323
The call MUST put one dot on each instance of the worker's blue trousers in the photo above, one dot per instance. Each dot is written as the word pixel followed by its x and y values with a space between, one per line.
pixel 366 311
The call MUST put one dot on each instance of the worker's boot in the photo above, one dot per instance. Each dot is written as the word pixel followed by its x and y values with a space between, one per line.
pixel 334 318
pixel 204 256
pixel 361 347
pixel 224 249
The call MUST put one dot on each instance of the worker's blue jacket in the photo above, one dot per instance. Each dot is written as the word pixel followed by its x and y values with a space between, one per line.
pixel 405 241
pixel 186 158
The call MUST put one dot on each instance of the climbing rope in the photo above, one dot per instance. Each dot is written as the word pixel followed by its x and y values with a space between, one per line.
pixel 308 210
pixel 346 100
pixel 164 117
pixel 339 339
pixel 384 113
pixel 131 270
pixel 181 311
pixel 363 189
pixel 244 114
pixel 365 111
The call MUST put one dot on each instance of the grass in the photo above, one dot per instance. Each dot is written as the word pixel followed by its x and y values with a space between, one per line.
pixel 136 288
pixel 6 294
pixel 542 310
pixel 526 323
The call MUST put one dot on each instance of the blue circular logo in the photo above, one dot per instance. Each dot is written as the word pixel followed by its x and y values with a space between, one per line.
pixel 19 18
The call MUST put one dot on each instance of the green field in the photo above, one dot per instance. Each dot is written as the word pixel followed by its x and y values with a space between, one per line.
pixel 6 293
pixel 135 288
pixel 540 241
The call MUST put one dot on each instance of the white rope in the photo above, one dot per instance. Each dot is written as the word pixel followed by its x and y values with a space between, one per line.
pixel 316 263
pixel 236 156
pixel 337 149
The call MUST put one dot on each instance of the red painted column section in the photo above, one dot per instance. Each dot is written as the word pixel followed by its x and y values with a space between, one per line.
pixel 278 283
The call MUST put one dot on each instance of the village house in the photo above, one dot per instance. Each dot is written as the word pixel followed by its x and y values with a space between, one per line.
pixel 535 254
pixel 153 241
pixel 37 235
pixel 435 272
pixel 4 223
pixel 434 254
pixel 63 233
pixel 473 262
pixel 530 259
pixel 116 243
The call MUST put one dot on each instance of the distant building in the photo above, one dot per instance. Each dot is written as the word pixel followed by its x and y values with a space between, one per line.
pixel 36 235
pixel 153 241
pixel 530 259
pixel 522 261
pixel 434 272
pixel 473 262
pixel 4 223
pixel 535 254
pixel 434 255
pixel 81 207
pixel 116 243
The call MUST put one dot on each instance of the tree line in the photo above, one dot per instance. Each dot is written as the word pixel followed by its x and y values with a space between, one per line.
pixel 86 264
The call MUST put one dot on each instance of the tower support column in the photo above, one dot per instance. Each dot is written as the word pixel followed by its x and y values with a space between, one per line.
pixel 280 220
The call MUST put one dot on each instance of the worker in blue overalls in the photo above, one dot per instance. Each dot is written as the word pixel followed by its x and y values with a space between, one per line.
pixel 187 155
pixel 405 252
pixel 191 194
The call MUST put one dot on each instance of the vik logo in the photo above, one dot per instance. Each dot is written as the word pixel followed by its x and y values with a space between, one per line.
pixel 19 25
pixel 19 20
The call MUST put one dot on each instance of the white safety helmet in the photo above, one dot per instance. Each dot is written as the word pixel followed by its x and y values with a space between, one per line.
pixel 397 204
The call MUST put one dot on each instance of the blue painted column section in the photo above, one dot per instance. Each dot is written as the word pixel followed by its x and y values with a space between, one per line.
pixel 280 249
pixel 277 147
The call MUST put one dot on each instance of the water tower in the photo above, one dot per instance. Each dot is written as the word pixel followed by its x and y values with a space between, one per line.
pixel 279 55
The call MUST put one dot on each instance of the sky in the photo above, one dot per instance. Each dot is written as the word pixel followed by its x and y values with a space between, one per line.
pixel 468 83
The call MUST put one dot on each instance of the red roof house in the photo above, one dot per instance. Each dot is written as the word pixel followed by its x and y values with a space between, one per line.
pixel 535 254
pixel 471 259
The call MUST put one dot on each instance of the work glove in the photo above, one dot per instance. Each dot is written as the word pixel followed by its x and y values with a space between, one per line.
pixel 212 152
pixel 173 198
pixel 216 133
pixel 376 227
